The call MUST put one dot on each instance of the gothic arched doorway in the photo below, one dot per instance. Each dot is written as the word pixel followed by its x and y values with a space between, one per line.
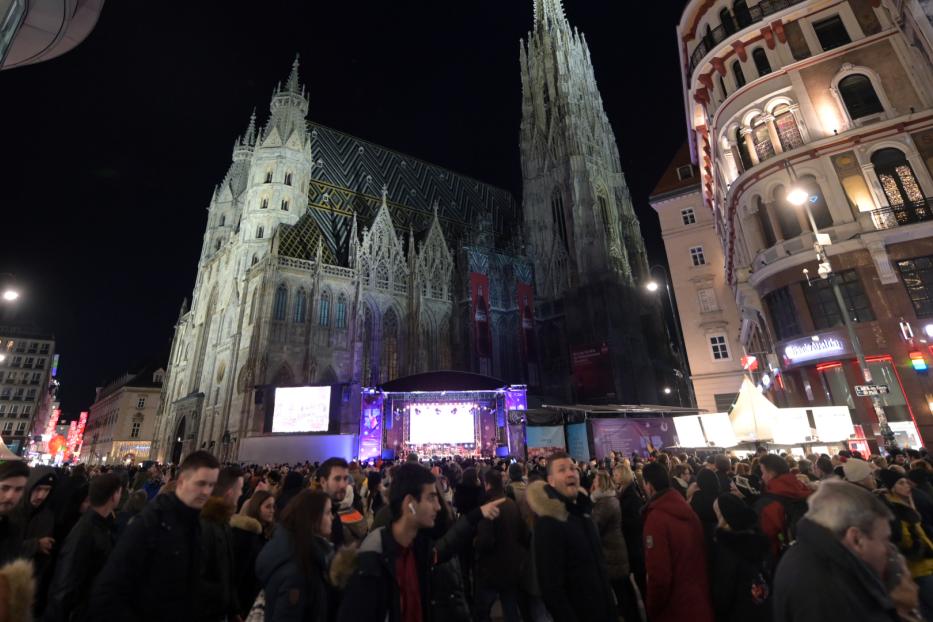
pixel 178 441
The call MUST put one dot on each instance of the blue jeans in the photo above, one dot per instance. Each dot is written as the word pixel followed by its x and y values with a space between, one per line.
pixel 486 598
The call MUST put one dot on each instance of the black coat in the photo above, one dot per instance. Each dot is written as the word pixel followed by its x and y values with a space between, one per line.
pixel 632 504
pixel 372 595
pixel 290 596
pixel 738 577
pixel 501 547
pixel 248 541
pixel 81 559
pixel 153 572
pixel 818 579
pixel 217 597
pixel 11 537
pixel 569 559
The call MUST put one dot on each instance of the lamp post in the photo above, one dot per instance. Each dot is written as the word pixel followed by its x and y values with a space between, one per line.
pixel 652 286
pixel 799 197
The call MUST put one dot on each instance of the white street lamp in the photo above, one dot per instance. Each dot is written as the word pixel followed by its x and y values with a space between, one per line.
pixel 797 196
pixel 667 390
pixel 651 286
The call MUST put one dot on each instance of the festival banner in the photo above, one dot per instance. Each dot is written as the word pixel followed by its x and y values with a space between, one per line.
pixel 544 440
pixel 628 436
pixel 578 443
pixel 371 428
pixel 482 336
pixel 592 372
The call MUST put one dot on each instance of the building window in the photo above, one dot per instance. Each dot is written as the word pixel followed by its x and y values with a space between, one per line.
pixel 44 348
pixel 743 16
pixel 724 401
pixel 8 427
pixel 722 86
pixel 558 218
pixel 341 312
pixel 696 254
pixel 786 125
pixel 134 431
pixel 859 96
pixel 279 304
pixel 737 73
pixel 685 172
pixel 831 32
pixel 762 139
pixel 688 216
pixel 783 313
pixel 717 344
pixel 288 179
pixel 896 176
pixel 728 24
pixel 761 61
pixel 284 206
pixel 27 409
pixel 917 274
pixel 259 233
pixel 264 204
pixel 822 301
pixel 268 177
pixel 17 361
pixel 390 346
pixel 14 409
pixel 301 307
pixel 324 312
pixel 223 219
pixel 764 223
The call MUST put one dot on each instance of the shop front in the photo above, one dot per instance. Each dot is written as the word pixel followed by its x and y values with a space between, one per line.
pixel 822 370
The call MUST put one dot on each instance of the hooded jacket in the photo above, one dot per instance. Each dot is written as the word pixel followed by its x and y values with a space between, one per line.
pixel 771 516
pixel 678 585
pixel 818 579
pixel 571 569
pixel 740 591
pixel 38 522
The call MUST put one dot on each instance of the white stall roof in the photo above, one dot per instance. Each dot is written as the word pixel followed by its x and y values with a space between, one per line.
pixel 752 414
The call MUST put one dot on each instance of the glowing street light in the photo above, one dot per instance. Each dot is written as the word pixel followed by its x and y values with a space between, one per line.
pixel 651 286
pixel 667 390
pixel 798 196
pixel 10 295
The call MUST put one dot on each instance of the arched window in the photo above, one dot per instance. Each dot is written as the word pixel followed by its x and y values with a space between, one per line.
pixel 858 95
pixel 341 311
pixel 558 218
pixel 382 276
pixel 818 206
pixel 762 139
pixel 896 176
pixel 288 179
pixel 268 177
pixel 728 24
pixel 786 125
pixel 389 346
pixel 743 16
pixel 223 220
pixel 259 233
pixel 743 149
pixel 762 65
pixel 280 303
pixel 254 260
pixel 284 206
pixel 786 214
pixel 323 315
pixel 264 204
pixel 301 307
pixel 764 223
pixel 737 72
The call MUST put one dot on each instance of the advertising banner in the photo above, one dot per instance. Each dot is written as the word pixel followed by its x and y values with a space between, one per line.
pixel 371 428
pixel 482 336
pixel 543 440
pixel 578 443
pixel 592 372
pixel 630 436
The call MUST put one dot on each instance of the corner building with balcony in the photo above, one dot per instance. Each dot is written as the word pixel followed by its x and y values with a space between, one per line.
pixel 835 98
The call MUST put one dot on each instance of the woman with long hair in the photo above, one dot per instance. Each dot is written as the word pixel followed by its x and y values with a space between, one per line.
pixel 293 566
pixel 252 529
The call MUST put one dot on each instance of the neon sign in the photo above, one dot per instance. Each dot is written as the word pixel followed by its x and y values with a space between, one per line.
pixel 814 348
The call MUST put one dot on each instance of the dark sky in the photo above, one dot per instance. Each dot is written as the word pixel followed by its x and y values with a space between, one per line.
pixel 111 151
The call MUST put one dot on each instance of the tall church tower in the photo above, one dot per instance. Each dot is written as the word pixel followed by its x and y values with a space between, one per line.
pixel 581 231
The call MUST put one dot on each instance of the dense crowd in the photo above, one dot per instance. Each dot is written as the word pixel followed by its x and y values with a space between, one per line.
pixel 665 538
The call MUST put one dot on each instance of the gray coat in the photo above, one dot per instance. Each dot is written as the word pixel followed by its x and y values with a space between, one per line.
pixel 607 514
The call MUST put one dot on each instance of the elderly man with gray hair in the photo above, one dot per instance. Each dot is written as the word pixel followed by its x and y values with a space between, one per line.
pixel 842 562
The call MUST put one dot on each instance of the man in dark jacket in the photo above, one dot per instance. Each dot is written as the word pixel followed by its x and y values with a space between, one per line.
pixel 392 581
pixel 154 570
pixel 218 596
pixel 837 569
pixel 783 491
pixel 568 553
pixel 501 548
pixel 84 553
pixel 13 477
pixel 37 516
pixel 675 555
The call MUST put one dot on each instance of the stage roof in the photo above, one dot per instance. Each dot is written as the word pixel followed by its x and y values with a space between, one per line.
pixel 443 381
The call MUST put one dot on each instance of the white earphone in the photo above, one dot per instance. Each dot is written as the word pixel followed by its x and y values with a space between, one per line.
pixel 411 508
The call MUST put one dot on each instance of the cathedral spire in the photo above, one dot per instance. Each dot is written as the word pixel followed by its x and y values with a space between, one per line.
pixel 549 13
pixel 292 85
pixel 249 138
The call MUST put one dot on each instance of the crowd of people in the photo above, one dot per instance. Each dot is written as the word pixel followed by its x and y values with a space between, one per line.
pixel 666 538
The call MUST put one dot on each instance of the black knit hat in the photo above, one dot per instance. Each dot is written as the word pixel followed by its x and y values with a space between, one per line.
pixel 889 477
pixel 13 468
pixel 739 516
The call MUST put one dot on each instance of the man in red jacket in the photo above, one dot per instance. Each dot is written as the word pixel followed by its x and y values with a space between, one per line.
pixel 675 555
pixel 782 491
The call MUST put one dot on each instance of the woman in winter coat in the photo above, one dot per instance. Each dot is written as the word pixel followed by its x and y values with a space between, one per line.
pixel 702 503
pixel 293 567
pixel 631 503
pixel 252 529
pixel 740 591
pixel 607 514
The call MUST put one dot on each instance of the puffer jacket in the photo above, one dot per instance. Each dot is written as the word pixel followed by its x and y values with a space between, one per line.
pixel 607 514
pixel 290 596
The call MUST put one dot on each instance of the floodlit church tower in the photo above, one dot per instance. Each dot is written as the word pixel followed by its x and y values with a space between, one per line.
pixel 580 227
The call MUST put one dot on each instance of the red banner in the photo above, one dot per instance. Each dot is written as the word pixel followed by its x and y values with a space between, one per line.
pixel 482 335
pixel 592 372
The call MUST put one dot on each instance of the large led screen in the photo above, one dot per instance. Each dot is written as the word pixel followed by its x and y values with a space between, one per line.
pixel 441 423
pixel 301 409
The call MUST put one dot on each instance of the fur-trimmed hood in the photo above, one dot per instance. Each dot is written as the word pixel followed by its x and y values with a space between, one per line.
pixel 17 590
pixel 216 511
pixel 246 523
pixel 544 501
pixel 342 567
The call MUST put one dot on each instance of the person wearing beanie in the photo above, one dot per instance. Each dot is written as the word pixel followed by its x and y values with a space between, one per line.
pixel 859 472
pixel 782 505
pixel 38 519
pixel 13 477
pixel 909 535
pixel 739 553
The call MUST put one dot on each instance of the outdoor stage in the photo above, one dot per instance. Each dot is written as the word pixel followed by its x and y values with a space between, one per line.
pixel 444 413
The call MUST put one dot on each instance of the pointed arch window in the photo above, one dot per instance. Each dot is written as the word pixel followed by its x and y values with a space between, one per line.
pixel 280 303
pixel 738 74
pixel 764 223
pixel 323 315
pixel 288 179
pixel 223 220
pixel 366 368
pixel 762 64
pixel 559 219
pixel 264 204
pixel 896 176
pixel 259 233
pixel 389 346
pixel 301 307
pixel 859 96
pixel 284 207
pixel 268 177
pixel 341 312
pixel 382 276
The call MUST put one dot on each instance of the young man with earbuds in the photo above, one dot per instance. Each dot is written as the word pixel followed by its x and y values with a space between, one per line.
pixel 392 579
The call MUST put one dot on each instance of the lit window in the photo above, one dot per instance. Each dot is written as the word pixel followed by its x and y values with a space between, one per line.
pixel 341 312
pixel 831 32
pixel 688 216
pixel 134 431
pixel 141 403
pixel 718 345
pixel 696 254
pixel 324 313
pixel 301 307
pixel 917 274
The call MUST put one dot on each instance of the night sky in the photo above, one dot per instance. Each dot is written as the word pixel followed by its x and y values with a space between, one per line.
pixel 111 151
